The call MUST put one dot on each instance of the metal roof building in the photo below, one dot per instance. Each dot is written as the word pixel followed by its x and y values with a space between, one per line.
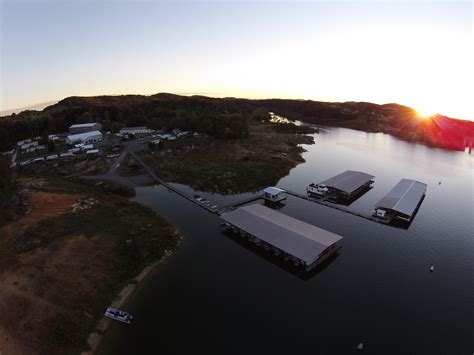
pixel 349 181
pixel 273 194
pixel 300 240
pixel 84 127
pixel 404 198
pixel 87 137
pixel 135 130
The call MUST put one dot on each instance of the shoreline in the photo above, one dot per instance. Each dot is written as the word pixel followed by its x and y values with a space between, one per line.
pixel 95 337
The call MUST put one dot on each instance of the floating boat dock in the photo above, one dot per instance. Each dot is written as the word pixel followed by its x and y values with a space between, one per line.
pixel 302 243
pixel 349 184
pixel 402 201
pixel 357 180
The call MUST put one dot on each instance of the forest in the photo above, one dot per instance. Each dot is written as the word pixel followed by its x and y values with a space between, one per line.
pixel 228 118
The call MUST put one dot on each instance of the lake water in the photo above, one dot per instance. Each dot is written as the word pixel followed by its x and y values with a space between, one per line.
pixel 216 296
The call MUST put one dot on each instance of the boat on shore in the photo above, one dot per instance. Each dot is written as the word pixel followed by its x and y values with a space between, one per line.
pixel 119 315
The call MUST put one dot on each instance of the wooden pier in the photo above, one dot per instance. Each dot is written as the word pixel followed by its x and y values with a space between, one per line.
pixel 219 210
pixel 240 203
pixel 172 188
pixel 338 207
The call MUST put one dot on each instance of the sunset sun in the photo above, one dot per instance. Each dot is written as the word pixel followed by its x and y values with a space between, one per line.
pixel 425 114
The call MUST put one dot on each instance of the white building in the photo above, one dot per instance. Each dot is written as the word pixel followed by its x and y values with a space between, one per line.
pixel 86 138
pixel 20 143
pixel 28 145
pixel 84 127
pixel 166 137
pixel 274 194
pixel 9 152
pixel 136 130
pixel 35 148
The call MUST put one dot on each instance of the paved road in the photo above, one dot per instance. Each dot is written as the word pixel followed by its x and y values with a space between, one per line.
pixel 13 162
pixel 113 174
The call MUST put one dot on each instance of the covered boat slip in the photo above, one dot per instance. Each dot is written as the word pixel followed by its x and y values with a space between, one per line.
pixel 403 199
pixel 301 241
pixel 349 183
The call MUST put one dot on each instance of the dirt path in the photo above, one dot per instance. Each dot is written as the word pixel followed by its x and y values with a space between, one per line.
pixel 45 205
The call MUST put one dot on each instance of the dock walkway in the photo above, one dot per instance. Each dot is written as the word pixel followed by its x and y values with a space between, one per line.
pixel 338 207
pixel 240 203
pixel 219 210
pixel 172 188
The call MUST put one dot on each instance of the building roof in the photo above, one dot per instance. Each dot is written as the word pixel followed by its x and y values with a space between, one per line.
pixel 85 135
pixel 273 190
pixel 289 234
pixel 404 197
pixel 134 129
pixel 82 125
pixel 348 181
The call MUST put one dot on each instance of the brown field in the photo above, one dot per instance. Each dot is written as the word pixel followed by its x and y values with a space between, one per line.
pixel 58 269
pixel 42 289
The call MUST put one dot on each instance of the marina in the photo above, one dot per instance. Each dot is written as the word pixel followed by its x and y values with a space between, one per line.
pixel 365 283
pixel 352 182
pixel 300 242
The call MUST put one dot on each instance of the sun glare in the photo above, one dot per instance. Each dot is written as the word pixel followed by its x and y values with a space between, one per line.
pixel 425 114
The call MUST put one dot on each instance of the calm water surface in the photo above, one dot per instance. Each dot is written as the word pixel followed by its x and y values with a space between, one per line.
pixel 215 296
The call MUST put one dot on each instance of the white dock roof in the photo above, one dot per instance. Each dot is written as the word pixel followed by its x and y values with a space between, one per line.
pixel 404 197
pixel 289 234
pixel 348 181
pixel 273 190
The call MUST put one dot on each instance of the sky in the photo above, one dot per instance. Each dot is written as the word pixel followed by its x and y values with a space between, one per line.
pixel 416 54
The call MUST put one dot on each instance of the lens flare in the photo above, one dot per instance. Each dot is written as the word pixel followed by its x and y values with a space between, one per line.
pixel 425 114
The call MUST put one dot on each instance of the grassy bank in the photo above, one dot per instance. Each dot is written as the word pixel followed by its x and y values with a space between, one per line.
pixel 233 165
pixel 62 267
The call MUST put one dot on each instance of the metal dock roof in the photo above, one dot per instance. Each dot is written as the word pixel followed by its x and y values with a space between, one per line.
pixel 289 234
pixel 348 181
pixel 272 190
pixel 404 197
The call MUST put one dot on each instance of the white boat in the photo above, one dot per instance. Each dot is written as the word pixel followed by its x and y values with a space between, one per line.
pixel 317 189
pixel 118 315
pixel 381 213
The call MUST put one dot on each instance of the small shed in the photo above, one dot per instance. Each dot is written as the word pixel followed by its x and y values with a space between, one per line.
pixel 274 194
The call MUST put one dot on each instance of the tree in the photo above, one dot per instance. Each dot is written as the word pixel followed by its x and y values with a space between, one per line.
pixel 152 145
pixel 86 117
pixel 51 147
pixel 260 114
pixel 5 173
pixel 44 138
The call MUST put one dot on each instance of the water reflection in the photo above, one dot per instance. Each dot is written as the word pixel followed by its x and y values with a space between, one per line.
pixel 216 296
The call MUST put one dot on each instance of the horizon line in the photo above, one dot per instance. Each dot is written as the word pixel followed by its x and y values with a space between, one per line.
pixel 42 105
